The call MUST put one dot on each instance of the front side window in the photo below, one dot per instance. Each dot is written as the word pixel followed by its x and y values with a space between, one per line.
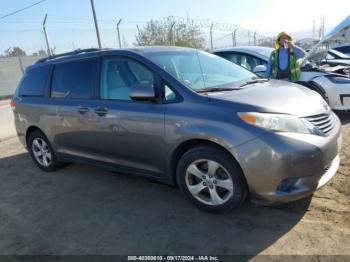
pixel 73 79
pixel 118 75
pixel 200 70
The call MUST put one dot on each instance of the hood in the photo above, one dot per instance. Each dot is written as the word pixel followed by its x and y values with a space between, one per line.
pixel 339 34
pixel 278 97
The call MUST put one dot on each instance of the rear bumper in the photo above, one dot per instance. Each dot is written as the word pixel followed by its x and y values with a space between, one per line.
pixel 285 167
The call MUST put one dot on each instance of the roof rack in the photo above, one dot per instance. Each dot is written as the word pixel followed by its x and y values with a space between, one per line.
pixel 75 52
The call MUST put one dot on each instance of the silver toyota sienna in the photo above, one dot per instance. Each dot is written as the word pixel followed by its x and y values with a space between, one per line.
pixel 179 116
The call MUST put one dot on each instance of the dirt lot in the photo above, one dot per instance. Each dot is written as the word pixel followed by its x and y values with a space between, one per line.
pixel 86 210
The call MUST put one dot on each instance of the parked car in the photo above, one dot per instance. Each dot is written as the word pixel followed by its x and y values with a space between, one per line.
pixel 180 116
pixel 345 49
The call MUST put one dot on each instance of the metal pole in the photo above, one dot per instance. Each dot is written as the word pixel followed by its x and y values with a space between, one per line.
pixel 234 41
pixel 20 63
pixel 46 37
pixel 248 37
pixel 96 25
pixel 120 43
pixel 255 38
pixel 211 37
pixel 172 33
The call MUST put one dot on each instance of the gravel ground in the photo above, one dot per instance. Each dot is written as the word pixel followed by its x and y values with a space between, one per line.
pixel 87 210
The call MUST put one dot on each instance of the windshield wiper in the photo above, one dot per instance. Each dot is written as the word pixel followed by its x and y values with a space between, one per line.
pixel 254 81
pixel 216 89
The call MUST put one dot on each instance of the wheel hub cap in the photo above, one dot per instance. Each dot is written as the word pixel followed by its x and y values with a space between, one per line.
pixel 209 182
pixel 41 152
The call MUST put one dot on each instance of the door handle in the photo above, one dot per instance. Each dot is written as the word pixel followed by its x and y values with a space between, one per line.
pixel 83 109
pixel 101 111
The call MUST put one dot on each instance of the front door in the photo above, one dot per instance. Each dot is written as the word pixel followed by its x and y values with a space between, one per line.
pixel 130 134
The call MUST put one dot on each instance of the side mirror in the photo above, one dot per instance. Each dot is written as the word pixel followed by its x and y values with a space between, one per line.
pixel 260 69
pixel 142 92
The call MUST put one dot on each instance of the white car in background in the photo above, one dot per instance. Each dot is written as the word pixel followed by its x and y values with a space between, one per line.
pixel 331 82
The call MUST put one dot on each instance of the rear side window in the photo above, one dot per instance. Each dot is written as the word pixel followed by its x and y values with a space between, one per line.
pixel 34 82
pixel 73 79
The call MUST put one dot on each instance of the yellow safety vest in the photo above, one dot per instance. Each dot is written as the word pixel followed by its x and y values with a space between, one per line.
pixel 294 65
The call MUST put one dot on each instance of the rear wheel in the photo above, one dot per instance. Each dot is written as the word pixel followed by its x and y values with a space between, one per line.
pixel 211 179
pixel 42 152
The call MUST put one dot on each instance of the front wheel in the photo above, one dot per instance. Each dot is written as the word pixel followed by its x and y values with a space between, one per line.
pixel 211 179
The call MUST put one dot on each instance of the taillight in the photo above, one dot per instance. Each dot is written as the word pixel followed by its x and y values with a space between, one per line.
pixel 13 104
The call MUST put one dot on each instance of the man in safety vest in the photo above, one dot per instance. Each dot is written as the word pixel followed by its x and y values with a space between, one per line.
pixel 285 60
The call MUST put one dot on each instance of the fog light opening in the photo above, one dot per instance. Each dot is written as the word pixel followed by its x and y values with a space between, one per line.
pixel 288 185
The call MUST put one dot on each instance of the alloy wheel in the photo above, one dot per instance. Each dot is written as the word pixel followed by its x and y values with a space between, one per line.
pixel 209 182
pixel 41 152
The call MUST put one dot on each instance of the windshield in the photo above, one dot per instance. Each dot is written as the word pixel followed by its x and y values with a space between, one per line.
pixel 200 70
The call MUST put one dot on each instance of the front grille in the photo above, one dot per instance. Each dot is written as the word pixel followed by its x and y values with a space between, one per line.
pixel 325 122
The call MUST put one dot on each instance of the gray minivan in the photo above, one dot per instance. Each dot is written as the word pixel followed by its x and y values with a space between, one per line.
pixel 180 116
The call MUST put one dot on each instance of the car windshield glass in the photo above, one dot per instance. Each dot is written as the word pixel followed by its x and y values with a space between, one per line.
pixel 200 70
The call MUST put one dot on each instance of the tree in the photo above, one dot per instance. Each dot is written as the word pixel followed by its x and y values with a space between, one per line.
pixel 15 51
pixel 169 32
pixel 42 52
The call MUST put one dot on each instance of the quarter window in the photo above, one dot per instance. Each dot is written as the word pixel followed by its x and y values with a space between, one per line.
pixel 34 82
pixel 118 75
pixel 73 79
pixel 169 94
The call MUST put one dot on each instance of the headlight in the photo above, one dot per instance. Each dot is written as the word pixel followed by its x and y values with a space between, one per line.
pixel 279 122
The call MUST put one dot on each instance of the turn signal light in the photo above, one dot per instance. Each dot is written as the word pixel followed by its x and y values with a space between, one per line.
pixel 248 118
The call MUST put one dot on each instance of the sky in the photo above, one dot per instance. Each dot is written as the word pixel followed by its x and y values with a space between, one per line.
pixel 70 23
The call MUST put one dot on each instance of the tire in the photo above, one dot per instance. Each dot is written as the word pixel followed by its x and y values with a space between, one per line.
pixel 42 153
pixel 193 175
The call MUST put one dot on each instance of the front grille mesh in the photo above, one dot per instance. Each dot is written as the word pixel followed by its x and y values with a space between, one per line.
pixel 325 122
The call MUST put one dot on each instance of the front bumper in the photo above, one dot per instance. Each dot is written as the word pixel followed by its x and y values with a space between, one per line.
pixel 338 93
pixel 283 167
